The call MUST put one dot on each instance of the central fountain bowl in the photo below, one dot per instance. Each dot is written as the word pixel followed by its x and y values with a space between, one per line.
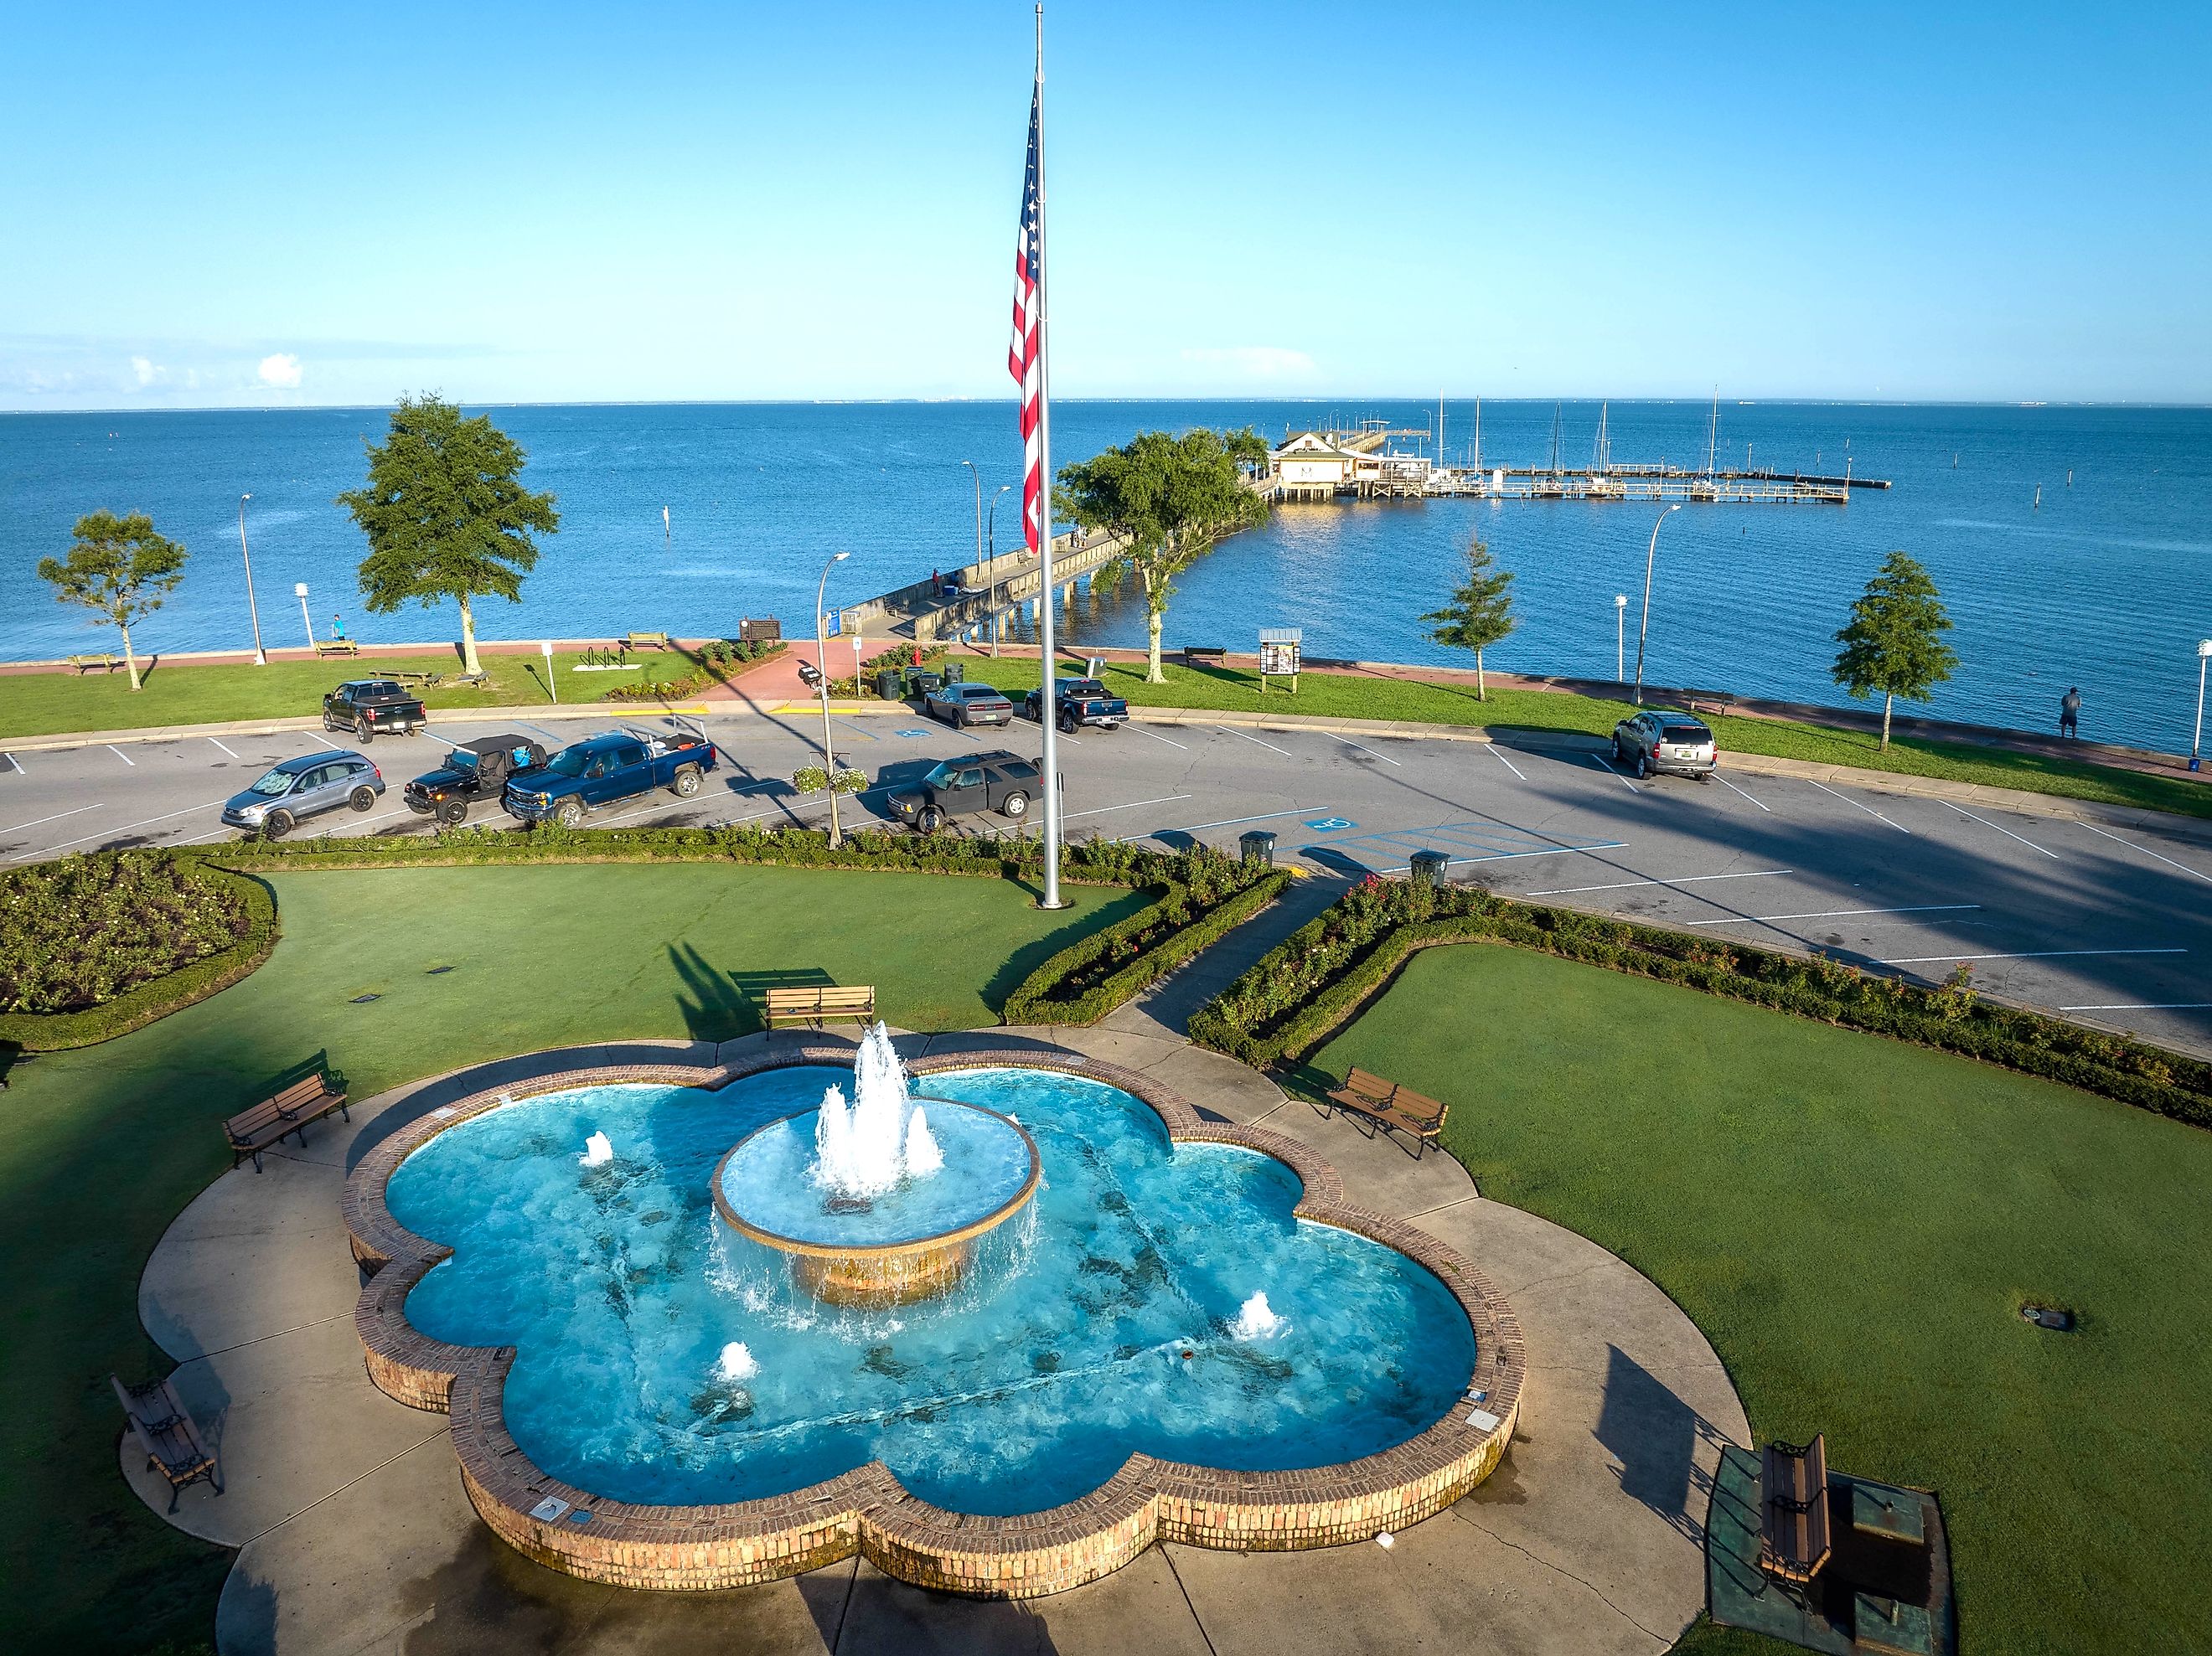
pixel 911 1242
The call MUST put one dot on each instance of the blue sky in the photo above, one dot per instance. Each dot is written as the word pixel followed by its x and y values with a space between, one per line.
pixel 218 205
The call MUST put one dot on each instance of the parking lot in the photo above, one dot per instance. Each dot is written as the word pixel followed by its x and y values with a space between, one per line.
pixel 2106 925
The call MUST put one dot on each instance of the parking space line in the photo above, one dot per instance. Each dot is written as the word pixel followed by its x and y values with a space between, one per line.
pixel 1101 811
pixel 1855 806
pixel 870 734
pixel 1692 879
pixel 1732 788
pixel 2030 954
pixel 2007 832
pixel 25 857
pixel 1506 857
pixel 16 762
pixel 1156 736
pixel 2144 1006
pixel 233 755
pixel 124 756
pixel 2146 851
pixel 1614 774
pixel 1502 760
pixel 56 817
pixel 1371 752
pixel 1832 913
pixel 1232 821
pixel 1270 746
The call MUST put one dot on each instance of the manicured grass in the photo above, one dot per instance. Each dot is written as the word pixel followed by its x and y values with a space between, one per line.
pixel 1355 696
pixel 101 1148
pixel 197 693
pixel 1855 1224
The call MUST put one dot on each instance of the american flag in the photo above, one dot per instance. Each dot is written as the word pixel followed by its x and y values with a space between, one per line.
pixel 1025 360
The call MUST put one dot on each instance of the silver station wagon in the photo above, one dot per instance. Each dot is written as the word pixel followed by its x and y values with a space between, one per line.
pixel 304 787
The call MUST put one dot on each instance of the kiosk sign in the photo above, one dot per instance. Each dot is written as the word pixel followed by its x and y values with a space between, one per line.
pixel 1278 655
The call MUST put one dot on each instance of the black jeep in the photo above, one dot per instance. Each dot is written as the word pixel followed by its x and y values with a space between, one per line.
pixel 967 787
pixel 472 771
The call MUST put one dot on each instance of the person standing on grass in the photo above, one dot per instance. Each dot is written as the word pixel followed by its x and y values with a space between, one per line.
pixel 2069 713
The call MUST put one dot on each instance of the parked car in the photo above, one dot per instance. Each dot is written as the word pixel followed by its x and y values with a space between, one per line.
pixel 968 786
pixel 371 707
pixel 472 771
pixel 606 770
pixel 1080 701
pixel 299 788
pixel 1668 742
pixel 967 704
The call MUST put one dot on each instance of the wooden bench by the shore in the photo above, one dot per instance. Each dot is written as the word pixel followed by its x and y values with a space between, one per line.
pixel 269 1123
pixel 645 640
pixel 1208 654
pixel 84 665
pixel 819 1005
pixel 337 646
pixel 166 1433
pixel 1391 1106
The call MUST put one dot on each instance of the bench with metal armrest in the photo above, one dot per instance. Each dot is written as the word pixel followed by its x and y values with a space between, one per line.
pixel 274 1119
pixel 819 1005
pixel 1392 1108
pixel 166 1433
pixel 1793 1520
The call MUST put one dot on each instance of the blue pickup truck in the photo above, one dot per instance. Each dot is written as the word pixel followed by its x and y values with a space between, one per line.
pixel 604 771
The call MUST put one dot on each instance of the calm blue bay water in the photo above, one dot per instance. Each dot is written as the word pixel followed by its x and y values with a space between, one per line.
pixel 2108 585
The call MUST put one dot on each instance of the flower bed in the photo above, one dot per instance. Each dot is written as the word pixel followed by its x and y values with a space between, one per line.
pixel 714 660
pixel 95 946
pixel 1302 991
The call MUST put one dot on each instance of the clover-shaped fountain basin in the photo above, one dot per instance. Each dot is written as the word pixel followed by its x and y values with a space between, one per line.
pixel 1150 1295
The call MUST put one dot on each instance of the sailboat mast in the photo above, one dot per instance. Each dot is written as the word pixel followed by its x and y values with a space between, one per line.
pixel 1713 433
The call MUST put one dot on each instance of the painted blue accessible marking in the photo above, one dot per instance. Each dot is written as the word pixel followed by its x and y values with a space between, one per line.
pixel 1330 825
pixel 911 732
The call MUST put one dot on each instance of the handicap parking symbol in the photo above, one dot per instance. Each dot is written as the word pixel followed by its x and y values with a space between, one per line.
pixel 1330 825
pixel 922 732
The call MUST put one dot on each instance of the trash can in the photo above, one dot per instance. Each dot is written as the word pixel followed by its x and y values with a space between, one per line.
pixel 890 683
pixel 919 682
pixel 955 673
pixel 1257 846
pixel 1428 868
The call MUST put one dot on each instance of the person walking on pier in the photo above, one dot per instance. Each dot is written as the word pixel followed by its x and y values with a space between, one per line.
pixel 2069 713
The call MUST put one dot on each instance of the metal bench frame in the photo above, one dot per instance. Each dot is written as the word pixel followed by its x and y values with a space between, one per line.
pixel 817 1005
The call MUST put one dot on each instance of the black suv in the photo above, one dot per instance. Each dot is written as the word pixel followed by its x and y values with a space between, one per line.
pixel 1000 782
pixel 472 771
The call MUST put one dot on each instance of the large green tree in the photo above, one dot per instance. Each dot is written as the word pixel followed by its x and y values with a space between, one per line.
pixel 1480 612
pixel 1894 642
pixel 121 567
pixel 1171 498
pixel 445 514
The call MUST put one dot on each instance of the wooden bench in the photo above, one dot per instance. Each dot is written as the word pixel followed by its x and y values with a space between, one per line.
pixel 820 1005
pixel 1192 654
pixel 1793 1522
pixel 274 1119
pixel 1389 1106
pixel 645 640
pixel 337 646
pixel 166 1433
pixel 86 664
pixel 430 680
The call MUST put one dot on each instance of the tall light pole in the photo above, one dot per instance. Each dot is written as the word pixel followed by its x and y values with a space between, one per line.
pixel 1620 636
pixel 978 477
pixel 300 592
pixel 260 655
pixel 990 562
pixel 1643 627
pixel 821 675
pixel 2196 746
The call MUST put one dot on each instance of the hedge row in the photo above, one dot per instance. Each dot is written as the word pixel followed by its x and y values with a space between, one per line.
pixel 1298 994
pixel 1088 979
pixel 49 1032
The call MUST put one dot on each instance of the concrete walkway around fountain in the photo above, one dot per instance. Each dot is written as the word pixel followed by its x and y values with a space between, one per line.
pixel 354 1535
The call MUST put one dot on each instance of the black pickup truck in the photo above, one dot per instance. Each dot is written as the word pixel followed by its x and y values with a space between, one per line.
pixel 472 771
pixel 608 770
pixel 371 707
pixel 1078 702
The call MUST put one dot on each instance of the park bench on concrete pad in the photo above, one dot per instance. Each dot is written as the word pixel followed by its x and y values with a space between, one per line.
pixel 1793 1521
pixel 818 1005
pixel 634 641
pixel 337 646
pixel 1389 1106
pixel 86 664
pixel 168 1436
pixel 274 1119
pixel 1192 654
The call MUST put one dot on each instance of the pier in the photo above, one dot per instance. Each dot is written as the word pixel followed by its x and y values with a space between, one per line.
pixel 972 594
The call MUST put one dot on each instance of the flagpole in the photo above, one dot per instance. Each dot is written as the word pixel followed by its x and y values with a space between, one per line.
pixel 1046 704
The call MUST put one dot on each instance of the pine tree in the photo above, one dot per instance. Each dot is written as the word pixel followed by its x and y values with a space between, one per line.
pixel 1894 642
pixel 1481 613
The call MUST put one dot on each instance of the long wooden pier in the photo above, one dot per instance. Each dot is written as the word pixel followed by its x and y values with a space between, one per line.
pixel 970 594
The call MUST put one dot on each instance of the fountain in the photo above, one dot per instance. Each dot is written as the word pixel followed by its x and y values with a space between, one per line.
pixel 597 1151
pixel 888 1206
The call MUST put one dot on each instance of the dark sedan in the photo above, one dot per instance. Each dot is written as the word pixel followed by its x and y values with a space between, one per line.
pixel 968 704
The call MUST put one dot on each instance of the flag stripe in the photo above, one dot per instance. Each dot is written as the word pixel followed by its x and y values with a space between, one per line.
pixel 1024 357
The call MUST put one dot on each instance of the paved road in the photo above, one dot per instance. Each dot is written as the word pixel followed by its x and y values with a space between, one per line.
pixel 2110 927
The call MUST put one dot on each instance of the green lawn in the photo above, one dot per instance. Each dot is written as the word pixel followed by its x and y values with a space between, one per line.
pixel 1354 696
pixel 101 1148
pixel 1854 1223
pixel 199 693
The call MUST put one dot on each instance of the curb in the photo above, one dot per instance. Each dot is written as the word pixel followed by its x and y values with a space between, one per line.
pixel 60 742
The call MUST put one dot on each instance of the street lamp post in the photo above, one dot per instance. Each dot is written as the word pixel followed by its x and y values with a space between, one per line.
pixel 990 562
pixel 1620 636
pixel 978 477
pixel 1643 627
pixel 260 655
pixel 2197 745
pixel 300 592
pixel 821 675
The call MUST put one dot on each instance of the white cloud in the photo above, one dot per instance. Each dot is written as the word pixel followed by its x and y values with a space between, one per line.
pixel 1256 361
pixel 147 370
pixel 281 371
